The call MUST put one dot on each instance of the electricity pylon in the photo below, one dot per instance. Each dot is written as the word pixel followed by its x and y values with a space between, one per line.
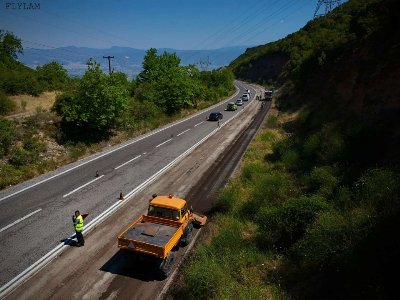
pixel 329 6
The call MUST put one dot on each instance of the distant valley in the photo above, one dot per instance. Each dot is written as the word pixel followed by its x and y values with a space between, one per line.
pixel 126 60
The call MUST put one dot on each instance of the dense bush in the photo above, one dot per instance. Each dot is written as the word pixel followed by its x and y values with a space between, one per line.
pixel 282 226
pixel 7 131
pixel 379 189
pixel 6 105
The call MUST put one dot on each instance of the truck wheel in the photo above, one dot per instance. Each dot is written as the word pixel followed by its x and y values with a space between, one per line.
pixel 166 265
pixel 187 235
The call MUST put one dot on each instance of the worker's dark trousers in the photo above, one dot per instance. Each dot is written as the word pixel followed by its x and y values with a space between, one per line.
pixel 79 237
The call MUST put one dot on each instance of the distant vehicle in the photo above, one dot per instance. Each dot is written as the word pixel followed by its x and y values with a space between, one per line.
pixel 231 106
pixel 239 102
pixel 215 116
pixel 245 97
pixel 269 94
pixel 248 92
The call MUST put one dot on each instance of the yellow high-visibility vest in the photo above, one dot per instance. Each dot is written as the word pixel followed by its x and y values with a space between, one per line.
pixel 78 224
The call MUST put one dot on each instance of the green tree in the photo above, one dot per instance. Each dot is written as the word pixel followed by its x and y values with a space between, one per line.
pixel 167 84
pixel 150 66
pixel 52 75
pixel 10 45
pixel 98 103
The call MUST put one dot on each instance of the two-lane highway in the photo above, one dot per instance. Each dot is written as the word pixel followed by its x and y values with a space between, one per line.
pixel 36 216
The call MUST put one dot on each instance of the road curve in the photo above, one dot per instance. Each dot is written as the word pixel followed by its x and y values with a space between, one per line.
pixel 35 216
pixel 99 270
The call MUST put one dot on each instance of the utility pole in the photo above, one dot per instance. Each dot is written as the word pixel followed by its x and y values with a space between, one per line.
pixel 329 6
pixel 109 62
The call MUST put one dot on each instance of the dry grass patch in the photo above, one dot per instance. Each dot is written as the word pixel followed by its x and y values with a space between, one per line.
pixel 29 104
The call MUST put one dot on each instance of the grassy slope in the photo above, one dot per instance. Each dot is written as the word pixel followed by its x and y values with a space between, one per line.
pixel 314 211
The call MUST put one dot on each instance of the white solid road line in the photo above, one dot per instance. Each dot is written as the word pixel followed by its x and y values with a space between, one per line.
pixel 198 124
pixel 82 186
pixel 125 163
pixel 47 258
pixel 120 147
pixel 19 220
pixel 163 143
pixel 183 132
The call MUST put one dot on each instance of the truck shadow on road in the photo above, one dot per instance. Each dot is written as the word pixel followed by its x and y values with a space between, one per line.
pixel 122 263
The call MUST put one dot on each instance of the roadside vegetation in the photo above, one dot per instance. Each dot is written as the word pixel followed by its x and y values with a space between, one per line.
pixel 89 113
pixel 313 212
pixel 301 220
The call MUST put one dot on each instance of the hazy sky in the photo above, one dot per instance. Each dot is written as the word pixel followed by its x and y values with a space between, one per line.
pixel 189 24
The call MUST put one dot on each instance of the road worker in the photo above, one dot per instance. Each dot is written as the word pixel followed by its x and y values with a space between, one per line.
pixel 78 226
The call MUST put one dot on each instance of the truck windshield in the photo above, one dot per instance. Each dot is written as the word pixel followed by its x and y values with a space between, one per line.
pixel 163 212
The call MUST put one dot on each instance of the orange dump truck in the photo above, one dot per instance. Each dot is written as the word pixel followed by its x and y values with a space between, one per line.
pixel 153 236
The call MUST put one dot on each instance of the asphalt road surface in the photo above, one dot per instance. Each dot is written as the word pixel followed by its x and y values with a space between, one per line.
pixel 99 270
pixel 35 217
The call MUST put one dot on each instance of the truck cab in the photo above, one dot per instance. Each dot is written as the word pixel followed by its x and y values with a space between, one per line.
pixel 169 207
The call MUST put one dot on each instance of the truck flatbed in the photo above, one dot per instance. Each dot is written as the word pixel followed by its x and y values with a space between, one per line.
pixel 152 237
pixel 150 233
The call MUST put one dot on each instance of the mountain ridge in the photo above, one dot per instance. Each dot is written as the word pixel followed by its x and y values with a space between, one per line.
pixel 126 59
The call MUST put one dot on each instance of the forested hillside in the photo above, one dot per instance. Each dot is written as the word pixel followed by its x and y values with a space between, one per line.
pixel 315 210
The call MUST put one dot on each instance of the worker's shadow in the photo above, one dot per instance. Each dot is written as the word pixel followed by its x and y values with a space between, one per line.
pixel 69 241
pixel 122 263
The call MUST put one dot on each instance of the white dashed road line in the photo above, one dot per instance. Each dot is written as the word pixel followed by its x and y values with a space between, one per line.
pixel 183 132
pixel 20 220
pixel 199 124
pixel 82 186
pixel 163 143
pixel 125 163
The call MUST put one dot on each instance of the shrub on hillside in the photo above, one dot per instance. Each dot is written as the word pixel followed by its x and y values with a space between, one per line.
pixel 331 238
pixel 322 180
pixel 7 132
pixel 282 226
pixel 273 189
pixel 20 157
pixel 33 145
pixel 27 154
pixel 379 189
pixel 23 82
pixel 280 148
pixel 228 198
pixel 6 105
pixel 325 146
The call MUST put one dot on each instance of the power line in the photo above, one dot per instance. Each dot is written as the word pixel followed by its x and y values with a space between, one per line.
pixel 272 25
pixel 250 26
pixel 267 20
